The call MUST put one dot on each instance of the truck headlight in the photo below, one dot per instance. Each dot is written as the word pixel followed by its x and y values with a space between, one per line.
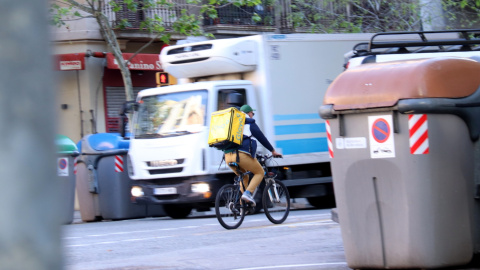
pixel 136 191
pixel 200 188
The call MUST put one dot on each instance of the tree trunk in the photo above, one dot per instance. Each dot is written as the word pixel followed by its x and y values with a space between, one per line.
pixel 110 38
pixel 432 15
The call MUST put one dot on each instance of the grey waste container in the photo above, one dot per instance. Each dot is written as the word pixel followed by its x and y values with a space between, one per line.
pixel 103 184
pixel 404 148
pixel 66 153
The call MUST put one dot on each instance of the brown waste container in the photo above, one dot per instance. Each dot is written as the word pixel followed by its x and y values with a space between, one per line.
pixel 403 139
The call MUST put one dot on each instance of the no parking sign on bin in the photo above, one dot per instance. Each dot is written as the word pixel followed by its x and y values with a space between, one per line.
pixel 62 169
pixel 382 144
pixel 67 152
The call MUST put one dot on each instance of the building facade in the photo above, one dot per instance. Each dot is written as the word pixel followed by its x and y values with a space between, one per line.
pixel 90 85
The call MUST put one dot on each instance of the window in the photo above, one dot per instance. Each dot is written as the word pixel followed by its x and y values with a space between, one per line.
pixel 231 98
pixel 173 114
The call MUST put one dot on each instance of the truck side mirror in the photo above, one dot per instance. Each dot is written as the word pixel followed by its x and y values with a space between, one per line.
pixel 123 125
pixel 128 107
pixel 135 106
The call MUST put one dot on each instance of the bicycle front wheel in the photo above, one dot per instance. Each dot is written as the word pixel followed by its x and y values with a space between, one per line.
pixel 230 212
pixel 276 202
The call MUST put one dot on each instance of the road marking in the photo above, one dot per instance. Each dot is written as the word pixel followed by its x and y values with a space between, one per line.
pixel 120 233
pixel 292 265
pixel 119 241
pixel 269 226
pixel 189 227
pixel 303 224
pixel 291 222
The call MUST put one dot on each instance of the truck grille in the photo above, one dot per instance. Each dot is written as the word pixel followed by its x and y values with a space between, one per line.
pixel 163 171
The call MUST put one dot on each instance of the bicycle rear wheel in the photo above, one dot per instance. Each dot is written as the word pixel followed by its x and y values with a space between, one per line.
pixel 276 202
pixel 230 213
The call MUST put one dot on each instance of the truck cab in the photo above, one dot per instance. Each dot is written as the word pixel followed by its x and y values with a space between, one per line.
pixel 168 156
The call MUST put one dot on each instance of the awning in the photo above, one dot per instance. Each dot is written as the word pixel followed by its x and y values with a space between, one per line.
pixel 76 61
pixel 70 61
pixel 139 62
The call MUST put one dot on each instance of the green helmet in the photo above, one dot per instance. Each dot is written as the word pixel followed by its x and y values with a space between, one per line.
pixel 246 108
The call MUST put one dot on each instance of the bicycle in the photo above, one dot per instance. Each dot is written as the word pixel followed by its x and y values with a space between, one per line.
pixel 230 209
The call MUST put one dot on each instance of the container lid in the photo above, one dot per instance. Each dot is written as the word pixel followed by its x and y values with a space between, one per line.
pixel 65 145
pixel 383 84
pixel 93 143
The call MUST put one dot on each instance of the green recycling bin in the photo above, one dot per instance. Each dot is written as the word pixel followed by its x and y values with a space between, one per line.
pixel 67 152
pixel 404 146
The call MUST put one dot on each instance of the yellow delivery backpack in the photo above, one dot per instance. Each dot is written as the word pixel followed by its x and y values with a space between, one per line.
pixel 226 129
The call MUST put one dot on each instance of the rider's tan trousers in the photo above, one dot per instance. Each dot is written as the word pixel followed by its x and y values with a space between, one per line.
pixel 247 163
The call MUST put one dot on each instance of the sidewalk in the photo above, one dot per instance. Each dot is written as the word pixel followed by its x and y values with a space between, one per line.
pixel 77 218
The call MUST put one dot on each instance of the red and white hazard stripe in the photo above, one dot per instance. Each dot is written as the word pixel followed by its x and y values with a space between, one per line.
pixel 418 127
pixel 75 165
pixel 329 139
pixel 118 163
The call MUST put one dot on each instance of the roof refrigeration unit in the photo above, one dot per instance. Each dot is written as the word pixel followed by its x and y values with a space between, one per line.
pixel 210 58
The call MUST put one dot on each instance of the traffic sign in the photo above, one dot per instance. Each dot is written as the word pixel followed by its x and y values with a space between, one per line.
pixel 62 167
pixel 382 143
pixel 380 130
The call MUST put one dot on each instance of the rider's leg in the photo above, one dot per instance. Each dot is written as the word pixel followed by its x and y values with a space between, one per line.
pixel 252 165
pixel 247 163
pixel 232 157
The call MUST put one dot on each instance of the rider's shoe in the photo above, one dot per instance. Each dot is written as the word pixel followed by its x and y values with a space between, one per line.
pixel 247 196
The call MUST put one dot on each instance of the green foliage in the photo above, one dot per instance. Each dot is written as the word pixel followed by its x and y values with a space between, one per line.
pixel 58 14
pixel 187 24
pixel 356 15
pixel 329 16
pixel 123 24
pixel 462 14
pixel 182 19
pixel 315 16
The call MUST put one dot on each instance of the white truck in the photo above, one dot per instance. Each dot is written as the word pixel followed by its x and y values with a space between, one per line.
pixel 282 76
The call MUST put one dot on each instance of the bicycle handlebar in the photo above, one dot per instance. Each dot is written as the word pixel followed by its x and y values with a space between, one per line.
pixel 267 156
pixel 264 158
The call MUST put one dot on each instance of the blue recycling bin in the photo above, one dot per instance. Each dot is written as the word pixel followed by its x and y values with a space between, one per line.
pixel 103 184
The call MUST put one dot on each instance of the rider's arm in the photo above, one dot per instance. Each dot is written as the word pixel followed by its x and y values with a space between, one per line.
pixel 258 134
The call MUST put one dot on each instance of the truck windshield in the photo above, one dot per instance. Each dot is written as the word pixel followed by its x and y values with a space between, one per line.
pixel 172 114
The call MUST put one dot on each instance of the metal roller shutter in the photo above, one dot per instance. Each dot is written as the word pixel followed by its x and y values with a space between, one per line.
pixel 115 97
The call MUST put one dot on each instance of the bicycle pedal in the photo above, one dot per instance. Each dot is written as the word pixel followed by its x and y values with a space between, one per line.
pixel 250 209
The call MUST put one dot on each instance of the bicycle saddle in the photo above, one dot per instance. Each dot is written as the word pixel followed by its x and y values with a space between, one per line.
pixel 233 164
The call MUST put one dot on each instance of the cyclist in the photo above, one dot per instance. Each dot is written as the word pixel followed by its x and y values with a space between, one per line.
pixel 245 156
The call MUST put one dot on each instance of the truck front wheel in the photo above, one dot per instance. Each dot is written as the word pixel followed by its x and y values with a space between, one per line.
pixel 177 210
